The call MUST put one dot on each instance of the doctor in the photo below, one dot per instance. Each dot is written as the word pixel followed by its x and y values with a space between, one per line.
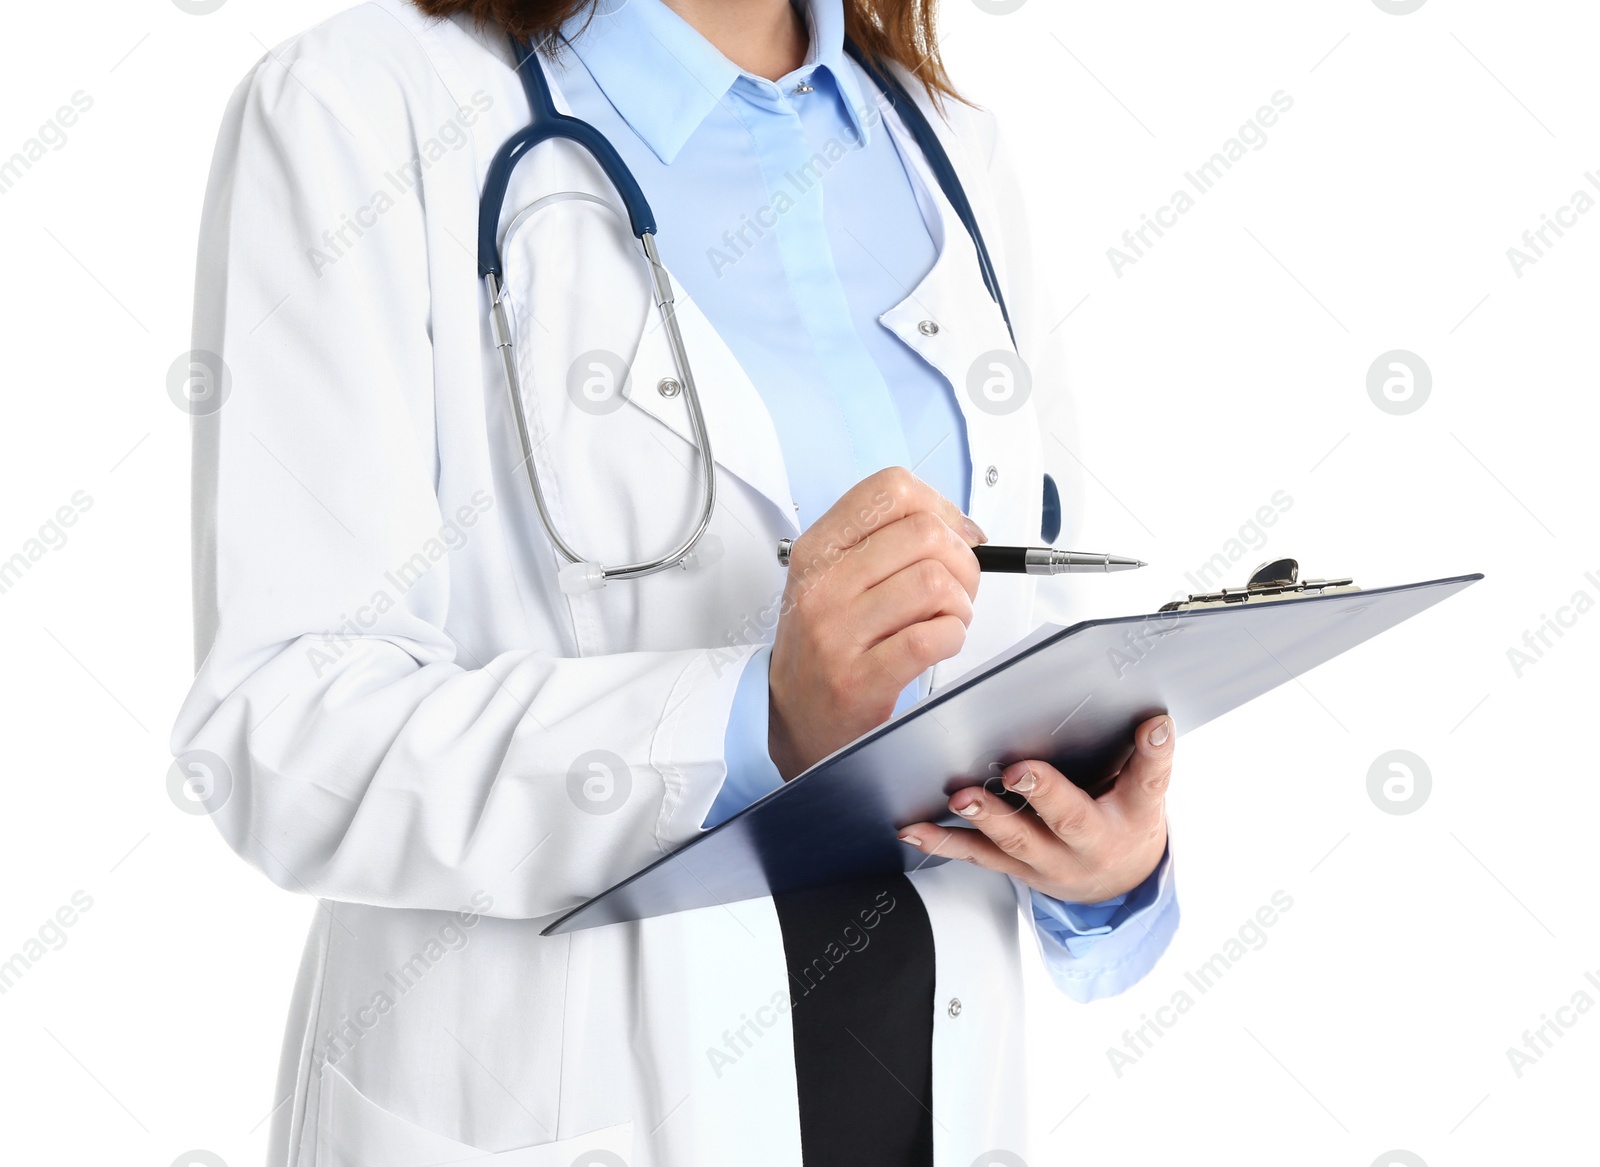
pixel 419 727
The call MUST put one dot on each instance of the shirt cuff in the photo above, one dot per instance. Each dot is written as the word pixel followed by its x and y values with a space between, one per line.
pixel 1099 950
pixel 751 773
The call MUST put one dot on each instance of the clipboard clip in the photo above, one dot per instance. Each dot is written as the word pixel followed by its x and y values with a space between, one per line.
pixel 1277 580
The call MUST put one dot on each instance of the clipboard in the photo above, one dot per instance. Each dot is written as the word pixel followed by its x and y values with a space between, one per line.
pixel 1070 696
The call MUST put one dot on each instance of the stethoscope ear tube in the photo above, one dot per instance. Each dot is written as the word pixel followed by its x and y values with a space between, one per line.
pixel 581 574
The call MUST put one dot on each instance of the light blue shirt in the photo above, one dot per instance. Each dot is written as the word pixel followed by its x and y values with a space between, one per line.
pixel 786 212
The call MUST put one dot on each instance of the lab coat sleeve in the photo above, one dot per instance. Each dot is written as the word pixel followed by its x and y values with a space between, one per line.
pixel 357 751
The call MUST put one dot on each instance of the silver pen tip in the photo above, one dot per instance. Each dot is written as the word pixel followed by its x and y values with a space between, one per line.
pixel 1054 561
pixel 1122 563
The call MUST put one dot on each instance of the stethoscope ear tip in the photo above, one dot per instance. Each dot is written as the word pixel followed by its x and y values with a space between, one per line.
pixel 706 551
pixel 577 578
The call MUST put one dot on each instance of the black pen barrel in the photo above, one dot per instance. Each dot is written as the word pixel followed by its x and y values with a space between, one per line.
pixel 1010 559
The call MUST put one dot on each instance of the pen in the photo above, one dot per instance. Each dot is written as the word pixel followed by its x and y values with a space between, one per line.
pixel 1027 560
pixel 1048 561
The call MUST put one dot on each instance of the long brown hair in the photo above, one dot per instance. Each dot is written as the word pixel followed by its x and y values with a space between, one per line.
pixel 901 31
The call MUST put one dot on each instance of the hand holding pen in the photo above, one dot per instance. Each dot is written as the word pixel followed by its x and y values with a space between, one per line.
pixel 880 589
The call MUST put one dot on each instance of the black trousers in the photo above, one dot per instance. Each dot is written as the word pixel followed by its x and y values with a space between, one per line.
pixel 860 959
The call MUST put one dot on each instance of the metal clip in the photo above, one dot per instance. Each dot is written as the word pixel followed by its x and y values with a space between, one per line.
pixel 1277 580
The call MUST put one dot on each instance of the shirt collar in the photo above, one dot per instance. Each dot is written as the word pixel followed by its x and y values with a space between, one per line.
pixel 827 52
pixel 666 101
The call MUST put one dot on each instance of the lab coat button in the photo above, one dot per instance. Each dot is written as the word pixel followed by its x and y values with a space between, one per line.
pixel 928 328
pixel 668 387
pixel 991 475
pixel 955 1007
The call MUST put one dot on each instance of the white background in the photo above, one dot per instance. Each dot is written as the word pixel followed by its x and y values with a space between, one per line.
pixel 1226 364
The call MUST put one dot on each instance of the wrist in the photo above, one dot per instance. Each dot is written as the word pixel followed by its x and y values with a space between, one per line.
pixel 780 747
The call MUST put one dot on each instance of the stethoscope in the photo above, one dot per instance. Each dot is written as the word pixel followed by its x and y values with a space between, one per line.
pixel 547 124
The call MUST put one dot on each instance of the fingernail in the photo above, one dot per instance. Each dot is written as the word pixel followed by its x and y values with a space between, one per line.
pixel 973 532
pixel 1158 735
pixel 911 839
pixel 1023 783
pixel 970 811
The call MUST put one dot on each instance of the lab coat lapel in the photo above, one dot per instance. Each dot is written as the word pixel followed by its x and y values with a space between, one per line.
pixel 953 323
pixel 744 440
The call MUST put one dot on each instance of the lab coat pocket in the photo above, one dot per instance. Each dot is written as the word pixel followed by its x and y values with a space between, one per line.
pixel 354 1131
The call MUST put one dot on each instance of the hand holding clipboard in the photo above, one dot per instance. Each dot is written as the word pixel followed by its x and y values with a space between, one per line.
pixel 1070 696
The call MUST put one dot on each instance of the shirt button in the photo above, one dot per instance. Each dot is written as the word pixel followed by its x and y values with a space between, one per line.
pixel 928 328
pixel 991 476
pixel 668 387
pixel 954 1008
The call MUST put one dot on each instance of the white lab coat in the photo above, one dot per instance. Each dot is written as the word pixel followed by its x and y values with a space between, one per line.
pixel 400 691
